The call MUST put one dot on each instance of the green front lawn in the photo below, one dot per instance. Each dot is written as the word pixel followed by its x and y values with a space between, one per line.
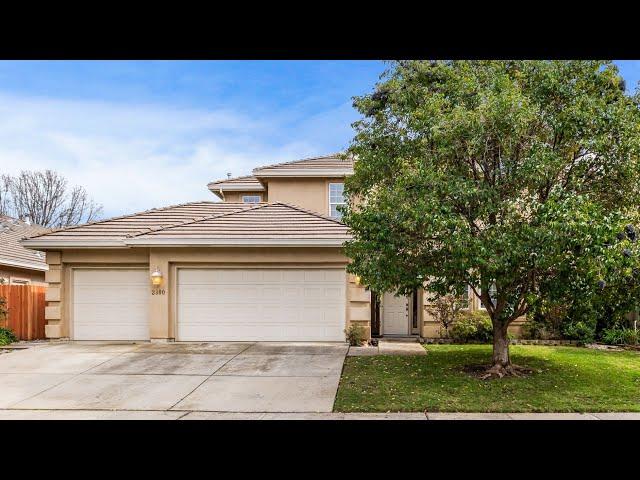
pixel 565 379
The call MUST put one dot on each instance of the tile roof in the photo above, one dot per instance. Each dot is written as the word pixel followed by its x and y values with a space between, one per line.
pixel 12 253
pixel 270 221
pixel 120 227
pixel 204 223
pixel 329 165
pixel 326 163
pixel 248 183
pixel 248 180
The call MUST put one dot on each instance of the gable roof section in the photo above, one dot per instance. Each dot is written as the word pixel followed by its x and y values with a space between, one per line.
pixel 328 165
pixel 113 231
pixel 12 253
pixel 238 184
pixel 204 224
pixel 264 224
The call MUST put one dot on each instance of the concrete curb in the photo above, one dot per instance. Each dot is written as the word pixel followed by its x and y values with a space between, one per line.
pixel 15 414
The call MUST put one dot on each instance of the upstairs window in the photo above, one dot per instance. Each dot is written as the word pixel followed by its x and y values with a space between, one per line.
pixel 336 198
pixel 493 295
pixel 251 199
pixel 464 299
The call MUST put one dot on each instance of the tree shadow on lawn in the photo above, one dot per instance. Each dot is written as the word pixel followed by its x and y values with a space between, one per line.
pixel 475 364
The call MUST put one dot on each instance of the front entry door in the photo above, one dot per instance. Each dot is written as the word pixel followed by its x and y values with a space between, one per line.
pixel 395 314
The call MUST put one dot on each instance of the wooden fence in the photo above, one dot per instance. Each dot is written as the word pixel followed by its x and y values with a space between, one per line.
pixel 25 304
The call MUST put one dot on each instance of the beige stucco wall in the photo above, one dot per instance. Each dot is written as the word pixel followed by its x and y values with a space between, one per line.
pixel 162 319
pixel 237 196
pixel 9 274
pixel 431 327
pixel 311 193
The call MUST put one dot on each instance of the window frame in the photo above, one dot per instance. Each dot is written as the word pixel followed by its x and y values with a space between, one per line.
pixel 481 306
pixel 329 184
pixel 258 196
pixel 467 301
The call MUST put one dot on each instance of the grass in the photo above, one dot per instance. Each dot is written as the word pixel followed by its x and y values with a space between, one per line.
pixel 565 379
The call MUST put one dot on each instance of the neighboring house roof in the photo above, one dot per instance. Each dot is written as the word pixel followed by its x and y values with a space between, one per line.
pixel 203 223
pixel 328 165
pixel 248 183
pixel 12 253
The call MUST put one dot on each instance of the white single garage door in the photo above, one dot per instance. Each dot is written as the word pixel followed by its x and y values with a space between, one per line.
pixel 261 304
pixel 111 304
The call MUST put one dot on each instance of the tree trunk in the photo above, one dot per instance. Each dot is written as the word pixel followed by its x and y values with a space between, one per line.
pixel 501 364
pixel 501 358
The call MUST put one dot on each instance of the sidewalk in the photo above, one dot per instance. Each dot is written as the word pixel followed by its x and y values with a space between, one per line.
pixel 199 415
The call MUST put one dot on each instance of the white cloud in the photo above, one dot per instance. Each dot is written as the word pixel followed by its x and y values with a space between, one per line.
pixel 133 157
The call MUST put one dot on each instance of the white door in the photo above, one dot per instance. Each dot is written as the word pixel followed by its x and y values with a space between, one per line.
pixel 269 304
pixel 111 304
pixel 395 314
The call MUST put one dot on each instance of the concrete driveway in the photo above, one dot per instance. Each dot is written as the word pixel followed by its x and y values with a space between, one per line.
pixel 169 380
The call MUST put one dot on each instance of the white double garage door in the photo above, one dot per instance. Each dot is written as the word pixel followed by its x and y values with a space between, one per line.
pixel 215 304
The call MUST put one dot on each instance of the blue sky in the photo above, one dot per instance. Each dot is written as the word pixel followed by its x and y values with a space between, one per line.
pixel 139 135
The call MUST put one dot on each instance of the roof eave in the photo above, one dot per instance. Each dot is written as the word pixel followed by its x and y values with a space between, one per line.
pixel 57 243
pixel 238 187
pixel 300 172
pixel 236 242
pixel 26 265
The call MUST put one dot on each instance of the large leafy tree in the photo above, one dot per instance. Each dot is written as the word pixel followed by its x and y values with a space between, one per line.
pixel 492 174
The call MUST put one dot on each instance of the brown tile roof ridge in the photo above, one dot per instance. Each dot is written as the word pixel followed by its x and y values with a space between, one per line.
pixel 119 217
pixel 233 179
pixel 316 157
pixel 200 219
pixel 311 212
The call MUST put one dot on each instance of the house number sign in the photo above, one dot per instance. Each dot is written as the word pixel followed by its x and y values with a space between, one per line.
pixel 157 291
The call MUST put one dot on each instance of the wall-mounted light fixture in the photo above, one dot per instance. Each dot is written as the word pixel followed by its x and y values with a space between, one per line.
pixel 358 280
pixel 156 277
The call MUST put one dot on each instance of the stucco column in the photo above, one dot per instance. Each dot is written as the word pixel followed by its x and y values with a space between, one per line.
pixel 53 297
pixel 159 328
pixel 358 305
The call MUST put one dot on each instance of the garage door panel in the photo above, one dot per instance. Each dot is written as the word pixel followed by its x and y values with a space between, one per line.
pixel 268 304
pixel 111 304
pixel 104 312
pixel 100 276
pixel 110 294
pixel 294 276
pixel 110 332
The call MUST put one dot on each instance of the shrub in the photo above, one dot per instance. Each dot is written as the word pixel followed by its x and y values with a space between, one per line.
pixel 446 311
pixel 7 336
pixel 472 326
pixel 355 335
pixel 584 331
pixel 545 322
pixel 620 336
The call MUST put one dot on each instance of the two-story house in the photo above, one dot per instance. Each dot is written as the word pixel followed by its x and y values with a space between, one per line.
pixel 265 263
